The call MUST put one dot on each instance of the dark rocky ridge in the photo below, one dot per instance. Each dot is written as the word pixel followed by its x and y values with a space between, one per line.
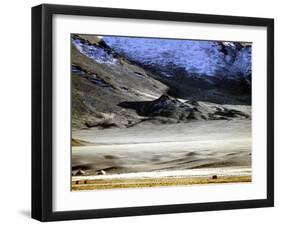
pixel 166 106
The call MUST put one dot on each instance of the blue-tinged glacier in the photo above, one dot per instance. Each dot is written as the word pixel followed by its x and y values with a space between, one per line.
pixel 99 54
pixel 196 57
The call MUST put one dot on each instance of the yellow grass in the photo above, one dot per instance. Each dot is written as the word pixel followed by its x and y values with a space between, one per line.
pixel 155 182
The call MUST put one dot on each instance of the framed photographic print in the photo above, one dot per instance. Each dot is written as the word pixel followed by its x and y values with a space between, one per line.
pixel 146 112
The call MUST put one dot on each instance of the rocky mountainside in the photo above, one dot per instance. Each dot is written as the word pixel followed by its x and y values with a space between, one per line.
pixel 204 70
pixel 101 79
pixel 110 89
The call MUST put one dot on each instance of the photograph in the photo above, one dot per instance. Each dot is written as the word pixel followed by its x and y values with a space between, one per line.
pixel 153 111
pixel 145 112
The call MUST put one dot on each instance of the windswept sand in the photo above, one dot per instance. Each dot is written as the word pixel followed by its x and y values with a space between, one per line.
pixel 177 154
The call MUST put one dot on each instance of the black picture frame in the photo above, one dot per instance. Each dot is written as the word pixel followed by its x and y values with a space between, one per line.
pixel 42 197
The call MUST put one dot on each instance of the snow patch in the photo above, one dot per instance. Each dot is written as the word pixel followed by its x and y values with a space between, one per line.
pixel 94 52
pixel 196 57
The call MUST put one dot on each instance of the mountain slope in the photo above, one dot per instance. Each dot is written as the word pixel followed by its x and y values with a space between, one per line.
pixel 203 70
pixel 108 90
pixel 98 86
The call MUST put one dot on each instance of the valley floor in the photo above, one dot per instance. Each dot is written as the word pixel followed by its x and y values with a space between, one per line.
pixel 199 152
